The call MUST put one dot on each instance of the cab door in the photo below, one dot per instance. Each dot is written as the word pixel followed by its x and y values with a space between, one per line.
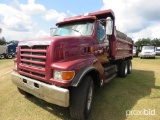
pixel 102 44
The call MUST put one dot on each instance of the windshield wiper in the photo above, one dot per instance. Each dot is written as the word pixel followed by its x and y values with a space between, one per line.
pixel 77 31
pixel 56 35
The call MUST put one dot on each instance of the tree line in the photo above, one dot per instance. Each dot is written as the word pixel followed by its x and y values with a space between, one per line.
pixel 4 42
pixel 145 41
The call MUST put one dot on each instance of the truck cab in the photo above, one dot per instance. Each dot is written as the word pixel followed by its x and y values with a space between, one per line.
pixel 85 51
pixel 147 51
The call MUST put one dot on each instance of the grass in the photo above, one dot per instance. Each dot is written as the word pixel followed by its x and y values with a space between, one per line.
pixel 138 91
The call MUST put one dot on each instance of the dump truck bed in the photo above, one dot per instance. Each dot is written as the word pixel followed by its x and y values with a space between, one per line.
pixel 122 46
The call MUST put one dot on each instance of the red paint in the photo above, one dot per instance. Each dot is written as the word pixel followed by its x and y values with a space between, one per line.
pixel 67 53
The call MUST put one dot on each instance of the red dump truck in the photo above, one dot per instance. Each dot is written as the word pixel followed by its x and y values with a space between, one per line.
pixel 85 51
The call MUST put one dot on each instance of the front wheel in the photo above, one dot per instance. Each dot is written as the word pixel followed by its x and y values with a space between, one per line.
pixel 81 99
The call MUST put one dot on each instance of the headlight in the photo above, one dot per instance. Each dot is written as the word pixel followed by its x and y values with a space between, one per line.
pixel 57 74
pixel 63 75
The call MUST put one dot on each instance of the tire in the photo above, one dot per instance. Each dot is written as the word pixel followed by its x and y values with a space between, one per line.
pixel 123 69
pixel 9 56
pixel 81 99
pixel 129 66
pixel 24 92
pixel 2 56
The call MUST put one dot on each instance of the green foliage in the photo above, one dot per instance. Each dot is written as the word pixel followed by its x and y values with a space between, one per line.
pixel 147 41
pixel 2 41
pixel 156 41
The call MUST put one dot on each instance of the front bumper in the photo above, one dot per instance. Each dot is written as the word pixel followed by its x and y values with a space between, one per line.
pixel 147 55
pixel 47 92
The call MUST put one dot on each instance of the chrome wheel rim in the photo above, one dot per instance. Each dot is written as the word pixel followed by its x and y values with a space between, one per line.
pixel 126 70
pixel 130 67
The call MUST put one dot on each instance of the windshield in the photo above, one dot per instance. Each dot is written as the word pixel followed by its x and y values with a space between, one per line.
pixel 148 48
pixel 84 28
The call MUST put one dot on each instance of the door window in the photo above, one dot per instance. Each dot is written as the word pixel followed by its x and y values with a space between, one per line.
pixel 100 32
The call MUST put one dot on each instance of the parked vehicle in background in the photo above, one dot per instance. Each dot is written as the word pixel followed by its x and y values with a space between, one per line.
pixel 85 51
pixel 8 51
pixel 135 51
pixel 157 50
pixel 11 51
pixel 3 51
pixel 147 51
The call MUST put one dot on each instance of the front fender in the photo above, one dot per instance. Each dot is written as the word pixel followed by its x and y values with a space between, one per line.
pixel 83 72
pixel 75 64
pixel 82 66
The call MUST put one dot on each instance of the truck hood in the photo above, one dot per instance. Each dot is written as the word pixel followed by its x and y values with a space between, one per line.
pixel 61 47
pixel 37 41
pixel 69 47
pixel 48 41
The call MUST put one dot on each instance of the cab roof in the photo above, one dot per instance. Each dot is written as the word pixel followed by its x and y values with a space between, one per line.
pixel 89 16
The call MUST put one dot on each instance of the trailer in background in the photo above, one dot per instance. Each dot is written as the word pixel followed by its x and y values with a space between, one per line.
pixel 3 51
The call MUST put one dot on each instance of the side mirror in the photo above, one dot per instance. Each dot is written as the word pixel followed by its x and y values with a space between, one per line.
pixel 52 30
pixel 109 26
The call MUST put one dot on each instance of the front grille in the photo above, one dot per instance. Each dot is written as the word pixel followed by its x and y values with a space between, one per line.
pixel 33 60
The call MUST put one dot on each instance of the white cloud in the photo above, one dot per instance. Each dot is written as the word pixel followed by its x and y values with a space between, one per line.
pixel 70 13
pixel 32 8
pixel 151 31
pixel 135 17
pixel 14 35
pixel 54 15
pixel 31 1
pixel 15 20
pixel 42 33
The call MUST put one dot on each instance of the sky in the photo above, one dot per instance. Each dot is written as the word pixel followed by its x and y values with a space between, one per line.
pixel 27 19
